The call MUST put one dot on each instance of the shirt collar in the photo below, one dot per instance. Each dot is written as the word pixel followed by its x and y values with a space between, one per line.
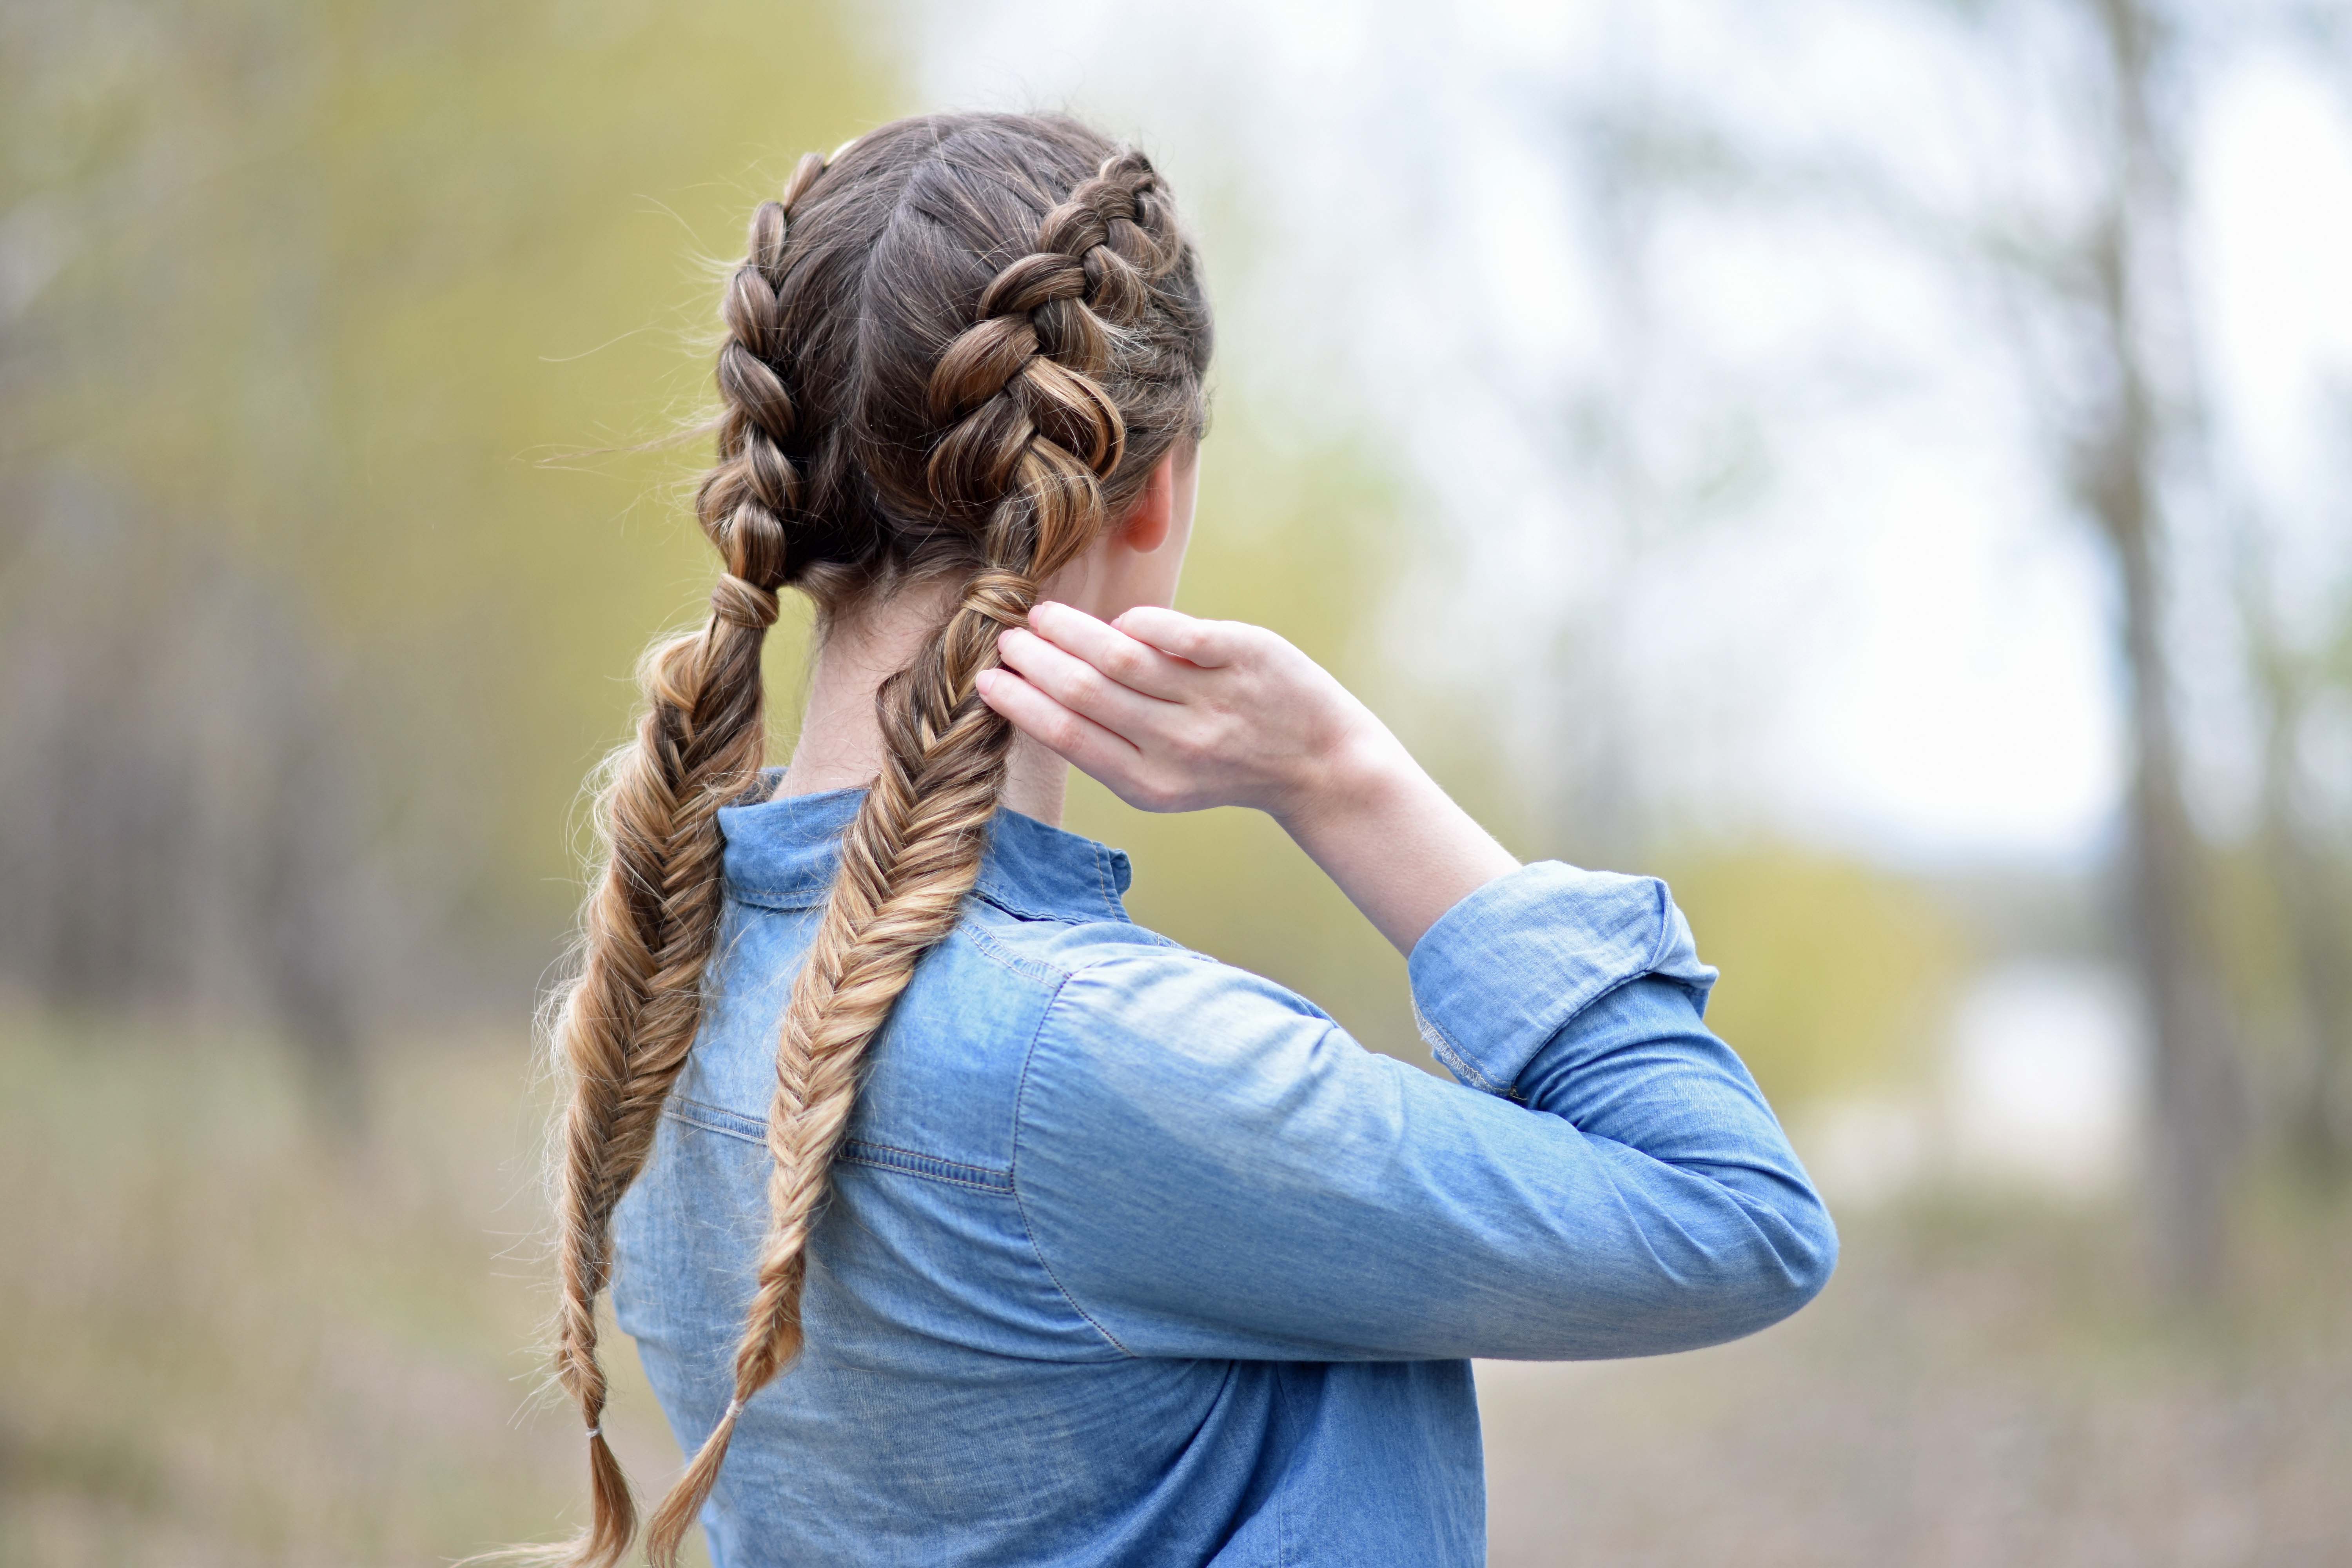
pixel 782 853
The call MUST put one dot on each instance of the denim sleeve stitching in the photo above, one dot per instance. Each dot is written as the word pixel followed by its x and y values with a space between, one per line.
pixel 1442 1045
pixel 1457 1060
pixel 1020 1111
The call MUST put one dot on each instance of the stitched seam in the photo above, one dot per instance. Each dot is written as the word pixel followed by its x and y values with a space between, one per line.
pixel 1028 968
pixel 1010 908
pixel 804 897
pixel 1181 950
pixel 980 1172
pixel 1441 1045
pixel 1697 992
pixel 1665 927
pixel 775 898
pixel 791 901
pixel 1108 884
pixel 1283 1395
pixel 1019 1109
pixel 926 1166
pixel 1459 1063
pixel 883 1156
pixel 715 1119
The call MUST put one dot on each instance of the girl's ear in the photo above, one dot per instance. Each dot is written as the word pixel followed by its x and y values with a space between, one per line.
pixel 1146 526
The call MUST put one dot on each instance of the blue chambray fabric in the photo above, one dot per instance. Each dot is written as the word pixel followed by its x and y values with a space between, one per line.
pixel 1136 1257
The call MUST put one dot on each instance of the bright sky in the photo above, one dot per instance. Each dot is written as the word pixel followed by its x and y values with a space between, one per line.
pixel 1888 634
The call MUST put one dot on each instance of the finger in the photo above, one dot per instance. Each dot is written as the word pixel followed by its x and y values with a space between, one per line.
pixel 1207 644
pixel 1072 736
pixel 1135 664
pixel 1079 685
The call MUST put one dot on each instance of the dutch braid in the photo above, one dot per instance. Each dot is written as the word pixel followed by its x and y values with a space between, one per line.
pixel 623 1028
pixel 1030 436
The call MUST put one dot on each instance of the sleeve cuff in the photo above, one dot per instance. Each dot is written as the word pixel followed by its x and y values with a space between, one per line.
pixel 1509 967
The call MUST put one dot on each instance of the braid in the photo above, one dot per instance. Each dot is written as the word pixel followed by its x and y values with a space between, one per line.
pixel 623 1028
pixel 1029 435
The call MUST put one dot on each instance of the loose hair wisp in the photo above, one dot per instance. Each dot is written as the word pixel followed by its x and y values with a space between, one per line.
pixel 954 353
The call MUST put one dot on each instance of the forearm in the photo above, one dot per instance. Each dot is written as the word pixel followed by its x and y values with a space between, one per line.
pixel 1394 841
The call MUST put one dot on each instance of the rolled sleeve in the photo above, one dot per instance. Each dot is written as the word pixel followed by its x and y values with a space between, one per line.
pixel 1512 965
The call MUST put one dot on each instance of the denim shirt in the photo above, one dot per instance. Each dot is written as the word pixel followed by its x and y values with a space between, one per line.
pixel 1133 1257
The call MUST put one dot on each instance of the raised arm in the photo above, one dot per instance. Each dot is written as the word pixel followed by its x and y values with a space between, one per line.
pixel 1212 1167
pixel 1178 714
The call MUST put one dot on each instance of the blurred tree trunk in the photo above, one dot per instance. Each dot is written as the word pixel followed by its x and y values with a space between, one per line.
pixel 2118 461
pixel 186 823
pixel 2307 877
pixel 2312 874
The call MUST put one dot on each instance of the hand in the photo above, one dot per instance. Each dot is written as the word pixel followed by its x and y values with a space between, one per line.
pixel 1175 713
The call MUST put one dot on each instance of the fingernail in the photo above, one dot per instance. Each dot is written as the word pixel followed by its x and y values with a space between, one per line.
pixel 983 680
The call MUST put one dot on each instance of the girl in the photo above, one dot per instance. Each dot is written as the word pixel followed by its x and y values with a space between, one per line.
pixel 957 1218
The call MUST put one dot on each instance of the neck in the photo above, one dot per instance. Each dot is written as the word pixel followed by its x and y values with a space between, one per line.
pixel 840 744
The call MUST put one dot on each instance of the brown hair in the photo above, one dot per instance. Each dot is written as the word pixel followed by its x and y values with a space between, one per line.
pixel 955 352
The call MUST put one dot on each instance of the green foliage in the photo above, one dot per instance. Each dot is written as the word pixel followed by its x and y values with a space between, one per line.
pixel 345 290
pixel 1835 974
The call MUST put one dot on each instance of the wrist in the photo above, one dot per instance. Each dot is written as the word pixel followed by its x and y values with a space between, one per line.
pixel 1366 772
pixel 1396 844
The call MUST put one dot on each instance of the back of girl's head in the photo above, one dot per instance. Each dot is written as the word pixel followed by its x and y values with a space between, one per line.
pixel 953 353
pixel 892 255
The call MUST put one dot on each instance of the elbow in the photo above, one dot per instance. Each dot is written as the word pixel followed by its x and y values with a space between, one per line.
pixel 1685 1286
pixel 1812 1256
pixel 1794 1258
pixel 1786 1261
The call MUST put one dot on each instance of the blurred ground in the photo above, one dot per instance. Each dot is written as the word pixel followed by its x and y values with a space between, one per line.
pixel 230 1343
pixel 1974 1388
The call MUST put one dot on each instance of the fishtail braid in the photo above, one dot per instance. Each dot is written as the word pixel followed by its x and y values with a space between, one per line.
pixel 1029 434
pixel 624 1027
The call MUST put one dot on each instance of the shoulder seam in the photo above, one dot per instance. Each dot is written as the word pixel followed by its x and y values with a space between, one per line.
pixel 1020 1204
pixel 1051 975
pixel 1036 970
pixel 1161 947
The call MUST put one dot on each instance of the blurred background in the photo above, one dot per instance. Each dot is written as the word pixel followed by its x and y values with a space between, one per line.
pixel 1883 465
